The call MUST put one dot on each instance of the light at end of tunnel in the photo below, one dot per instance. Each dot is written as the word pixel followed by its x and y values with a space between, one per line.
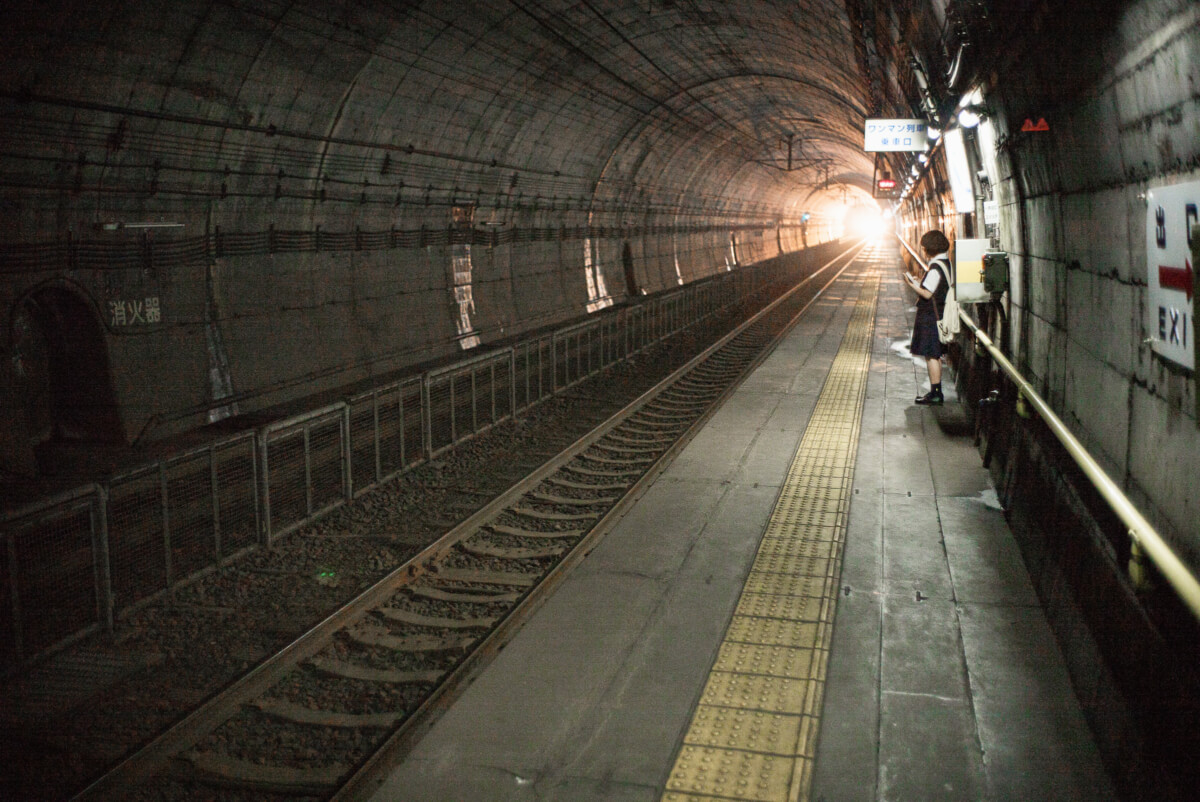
pixel 867 221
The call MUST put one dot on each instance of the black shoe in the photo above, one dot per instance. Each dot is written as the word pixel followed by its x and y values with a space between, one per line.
pixel 931 398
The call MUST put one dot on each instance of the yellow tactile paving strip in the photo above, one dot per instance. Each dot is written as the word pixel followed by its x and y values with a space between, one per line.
pixel 753 735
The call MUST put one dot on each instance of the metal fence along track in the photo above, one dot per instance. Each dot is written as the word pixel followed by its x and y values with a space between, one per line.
pixel 405 646
pixel 71 565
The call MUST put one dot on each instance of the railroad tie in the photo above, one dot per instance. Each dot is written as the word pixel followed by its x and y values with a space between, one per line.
pixel 371 635
pixel 573 468
pixel 402 616
pixel 484 577
pixel 341 668
pixel 546 498
pixel 512 531
pixel 557 480
pixel 630 460
pixel 483 549
pixel 296 780
pixel 299 714
pixel 538 515
pixel 441 594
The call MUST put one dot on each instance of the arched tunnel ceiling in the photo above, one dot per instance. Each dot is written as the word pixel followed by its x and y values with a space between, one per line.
pixel 679 107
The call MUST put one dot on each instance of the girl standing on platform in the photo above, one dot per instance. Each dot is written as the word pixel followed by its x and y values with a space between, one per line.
pixel 931 291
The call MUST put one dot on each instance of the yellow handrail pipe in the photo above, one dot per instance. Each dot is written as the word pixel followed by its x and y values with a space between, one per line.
pixel 1144 536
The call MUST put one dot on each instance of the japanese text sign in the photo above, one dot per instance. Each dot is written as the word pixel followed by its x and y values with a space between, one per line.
pixel 1170 214
pixel 895 135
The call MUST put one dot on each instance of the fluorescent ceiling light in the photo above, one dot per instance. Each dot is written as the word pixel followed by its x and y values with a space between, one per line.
pixel 960 172
pixel 969 118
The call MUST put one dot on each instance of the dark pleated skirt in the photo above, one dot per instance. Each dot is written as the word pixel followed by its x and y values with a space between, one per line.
pixel 925 340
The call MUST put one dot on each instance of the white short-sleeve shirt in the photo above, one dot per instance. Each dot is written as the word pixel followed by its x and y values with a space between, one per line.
pixel 933 278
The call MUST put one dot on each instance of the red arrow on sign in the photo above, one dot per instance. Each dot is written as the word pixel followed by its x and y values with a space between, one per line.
pixel 1176 278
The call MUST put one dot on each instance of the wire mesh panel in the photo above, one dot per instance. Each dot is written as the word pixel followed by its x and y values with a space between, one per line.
pixel 484 379
pixel 398 420
pixel 191 523
pixel 492 390
pixel 441 400
pixel 621 340
pixel 576 354
pixel 469 398
pixel 566 359
pixel 327 471
pixel 50 579
pixel 412 411
pixel 532 371
pixel 389 422
pixel 364 442
pixel 502 388
pixel 237 494
pixel 594 348
pixel 635 336
pixel 463 412
pixel 611 340
pixel 285 481
pixel 653 321
pixel 137 545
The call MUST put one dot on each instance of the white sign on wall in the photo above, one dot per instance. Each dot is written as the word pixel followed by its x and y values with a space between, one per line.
pixel 136 312
pixel 991 213
pixel 910 136
pixel 1170 214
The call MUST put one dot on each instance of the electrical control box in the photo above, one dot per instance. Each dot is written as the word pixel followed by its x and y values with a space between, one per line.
pixel 995 272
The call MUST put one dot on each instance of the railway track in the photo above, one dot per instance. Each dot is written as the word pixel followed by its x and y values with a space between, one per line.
pixel 329 714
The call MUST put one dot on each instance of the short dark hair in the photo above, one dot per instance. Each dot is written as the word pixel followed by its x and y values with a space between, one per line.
pixel 935 242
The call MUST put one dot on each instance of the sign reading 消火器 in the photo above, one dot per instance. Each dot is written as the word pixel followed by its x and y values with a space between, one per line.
pixel 1171 212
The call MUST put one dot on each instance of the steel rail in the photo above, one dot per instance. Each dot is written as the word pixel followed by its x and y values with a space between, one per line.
pixel 365 781
pixel 1143 535
pixel 371 774
pixel 149 760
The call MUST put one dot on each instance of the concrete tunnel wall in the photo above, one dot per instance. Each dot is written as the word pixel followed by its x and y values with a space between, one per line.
pixel 585 126
pixel 1118 86
pixel 258 125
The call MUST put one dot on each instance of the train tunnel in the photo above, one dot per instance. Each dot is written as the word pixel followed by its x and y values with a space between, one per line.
pixel 223 214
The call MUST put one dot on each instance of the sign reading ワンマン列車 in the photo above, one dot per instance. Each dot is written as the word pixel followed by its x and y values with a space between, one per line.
pixel 895 135
pixel 1171 212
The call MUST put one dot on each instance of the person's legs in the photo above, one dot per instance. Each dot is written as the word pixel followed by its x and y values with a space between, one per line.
pixel 935 369
pixel 934 396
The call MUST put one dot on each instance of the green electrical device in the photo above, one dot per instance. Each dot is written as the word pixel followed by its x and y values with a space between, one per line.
pixel 995 272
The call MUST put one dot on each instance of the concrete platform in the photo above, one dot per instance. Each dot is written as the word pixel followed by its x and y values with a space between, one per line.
pixel 944 681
